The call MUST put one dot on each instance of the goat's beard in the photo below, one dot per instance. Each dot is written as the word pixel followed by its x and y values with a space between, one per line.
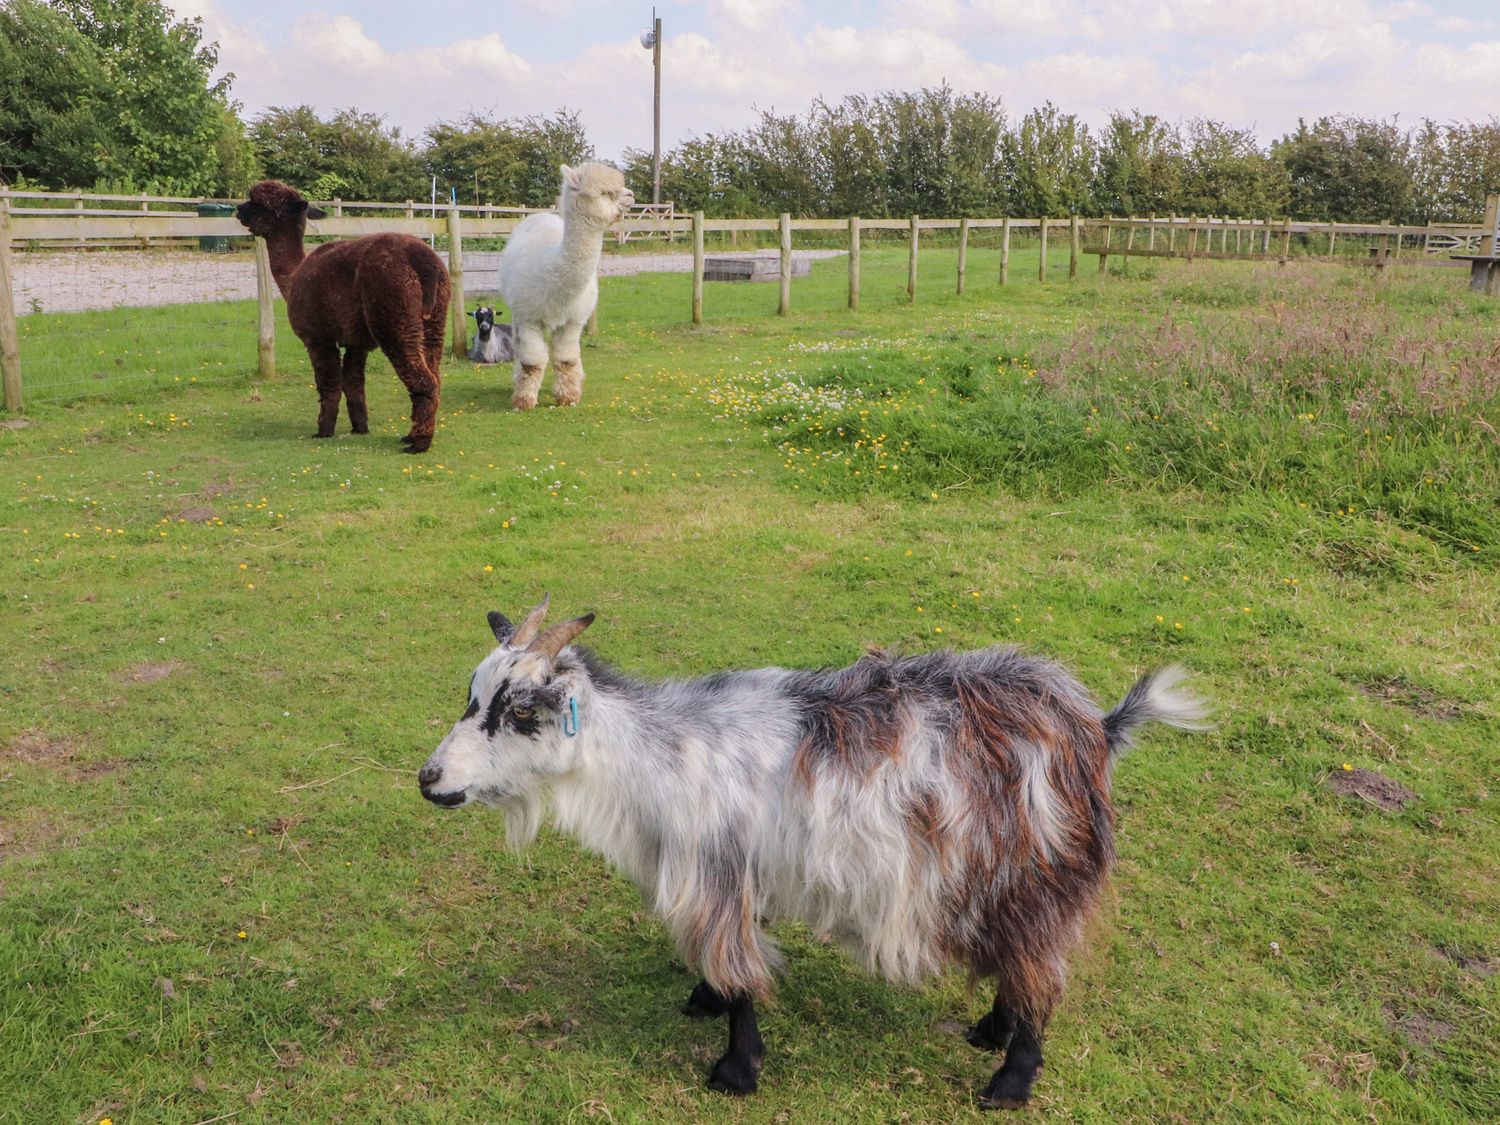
pixel 523 818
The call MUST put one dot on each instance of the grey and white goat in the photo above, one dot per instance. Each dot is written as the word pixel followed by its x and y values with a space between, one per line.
pixel 949 808
pixel 492 343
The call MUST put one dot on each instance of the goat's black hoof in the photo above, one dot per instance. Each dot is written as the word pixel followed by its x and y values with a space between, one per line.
pixel 704 1003
pixel 987 1037
pixel 734 1074
pixel 1009 1089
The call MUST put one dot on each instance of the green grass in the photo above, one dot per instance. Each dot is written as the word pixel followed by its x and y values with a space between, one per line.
pixel 230 645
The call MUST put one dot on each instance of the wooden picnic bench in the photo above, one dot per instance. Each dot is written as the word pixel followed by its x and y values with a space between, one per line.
pixel 1484 272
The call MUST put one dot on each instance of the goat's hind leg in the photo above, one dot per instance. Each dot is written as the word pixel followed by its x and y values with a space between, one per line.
pixel 738 1069
pixel 354 389
pixel 1010 1088
pixel 705 1002
pixel 994 1030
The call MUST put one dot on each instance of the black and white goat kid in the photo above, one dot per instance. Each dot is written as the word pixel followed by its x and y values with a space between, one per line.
pixel 492 343
pixel 949 808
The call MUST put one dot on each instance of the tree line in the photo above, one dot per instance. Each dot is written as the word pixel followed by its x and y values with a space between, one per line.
pixel 119 95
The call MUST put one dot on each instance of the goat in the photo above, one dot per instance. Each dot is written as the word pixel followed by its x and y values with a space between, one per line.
pixel 386 291
pixel 492 342
pixel 947 808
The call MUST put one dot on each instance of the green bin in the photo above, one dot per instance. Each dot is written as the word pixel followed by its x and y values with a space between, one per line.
pixel 215 243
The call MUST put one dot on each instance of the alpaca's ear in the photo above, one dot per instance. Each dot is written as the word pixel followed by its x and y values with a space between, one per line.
pixel 571 177
pixel 315 212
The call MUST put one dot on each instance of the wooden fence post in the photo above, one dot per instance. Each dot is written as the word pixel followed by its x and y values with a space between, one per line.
pixel 1073 244
pixel 1041 269
pixel 265 299
pixel 963 252
pixel 1151 231
pixel 10 337
pixel 1109 231
pixel 457 315
pixel 854 263
pixel 1286 240
pixel 1172 234
pixel 1333 235
pixel 1129 242
pixel 1385 249
pixel 1005 250
pixel 911 261
pixel 697 267
pixel 785 305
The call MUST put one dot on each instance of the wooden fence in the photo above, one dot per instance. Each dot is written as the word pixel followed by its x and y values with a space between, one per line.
pixel 1187 237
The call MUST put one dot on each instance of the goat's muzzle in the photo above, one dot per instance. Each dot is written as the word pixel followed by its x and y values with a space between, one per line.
pixel 427 778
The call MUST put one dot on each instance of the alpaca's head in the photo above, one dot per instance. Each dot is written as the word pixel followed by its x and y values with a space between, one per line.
pixel 595 193
pixel 273 208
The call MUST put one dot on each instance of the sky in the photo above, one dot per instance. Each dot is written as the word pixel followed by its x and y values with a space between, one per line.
pixel 1256 64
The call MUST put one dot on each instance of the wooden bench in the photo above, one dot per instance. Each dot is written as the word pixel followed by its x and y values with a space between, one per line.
pixel 1484 272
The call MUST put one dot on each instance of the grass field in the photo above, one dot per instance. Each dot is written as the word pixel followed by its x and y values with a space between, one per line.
pixel 221 896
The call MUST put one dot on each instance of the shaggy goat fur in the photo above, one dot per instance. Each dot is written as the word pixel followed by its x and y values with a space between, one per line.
pixel 549 277
pixel 386 291
pixel 949 808
pixel 492 342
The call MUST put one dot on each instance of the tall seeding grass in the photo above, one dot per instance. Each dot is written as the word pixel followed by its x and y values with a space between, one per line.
pixel 1310 390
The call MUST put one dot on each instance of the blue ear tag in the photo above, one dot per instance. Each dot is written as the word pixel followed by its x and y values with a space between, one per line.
pixel 570 720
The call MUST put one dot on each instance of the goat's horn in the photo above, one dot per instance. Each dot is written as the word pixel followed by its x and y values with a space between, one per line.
pixel 532 625
pixel 555 639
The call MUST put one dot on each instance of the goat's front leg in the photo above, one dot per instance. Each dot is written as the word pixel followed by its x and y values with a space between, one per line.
pixel 737 1070
pixel 705 1002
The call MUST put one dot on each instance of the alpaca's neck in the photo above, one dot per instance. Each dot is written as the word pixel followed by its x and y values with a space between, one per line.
pixel 286 253
pixel 578 253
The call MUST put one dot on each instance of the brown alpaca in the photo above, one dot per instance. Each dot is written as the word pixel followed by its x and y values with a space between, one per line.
pixel 386 291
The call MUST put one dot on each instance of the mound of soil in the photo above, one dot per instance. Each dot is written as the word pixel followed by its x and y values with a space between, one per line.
pixel 1376 788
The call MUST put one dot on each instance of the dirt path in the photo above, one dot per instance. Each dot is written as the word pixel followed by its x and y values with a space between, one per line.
pixel 75 281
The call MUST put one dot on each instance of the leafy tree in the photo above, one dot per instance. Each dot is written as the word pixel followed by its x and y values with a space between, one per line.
pixel 172 122
pixel 53 100
pixel 1049 162
pixel 1348 169
pixel 1454 167
pixel 511 161
pixel 1141 166
pixel 1226 173
pixel 352 155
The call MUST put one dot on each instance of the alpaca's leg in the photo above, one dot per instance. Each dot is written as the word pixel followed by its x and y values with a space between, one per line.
pixel 354 389
pixel 531 361
pixel 327 377
pixel 567 365
pixel 423 388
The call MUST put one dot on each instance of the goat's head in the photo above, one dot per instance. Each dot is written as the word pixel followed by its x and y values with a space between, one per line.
pixel 596 193
pixel 484 320
pixel 517 730
pixel 274 207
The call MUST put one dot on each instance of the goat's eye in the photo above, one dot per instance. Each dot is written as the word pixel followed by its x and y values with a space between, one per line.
pixel 522 714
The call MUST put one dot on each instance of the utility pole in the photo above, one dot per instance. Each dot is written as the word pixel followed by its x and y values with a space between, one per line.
pixel 656 109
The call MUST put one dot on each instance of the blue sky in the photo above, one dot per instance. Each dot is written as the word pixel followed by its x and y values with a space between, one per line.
pixel 1257 64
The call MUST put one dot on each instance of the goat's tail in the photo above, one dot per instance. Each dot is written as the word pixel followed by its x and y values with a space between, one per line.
pixel 1157 697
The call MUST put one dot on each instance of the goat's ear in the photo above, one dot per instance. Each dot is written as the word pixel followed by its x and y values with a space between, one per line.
pixel 500 625
pixel 571 177
pixel 315 212
pixel 474 313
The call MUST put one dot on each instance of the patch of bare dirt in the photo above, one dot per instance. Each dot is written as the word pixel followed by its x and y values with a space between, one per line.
pixel 1414 697
pixel 1479 964
pixel 198 513
pixel 1421 1029
pixel 149 672
pixel 216 488
pixel 1368 785
pixel 16 423
pixel 37 748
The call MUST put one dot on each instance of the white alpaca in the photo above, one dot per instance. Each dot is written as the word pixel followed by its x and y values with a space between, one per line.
pixel 549 276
